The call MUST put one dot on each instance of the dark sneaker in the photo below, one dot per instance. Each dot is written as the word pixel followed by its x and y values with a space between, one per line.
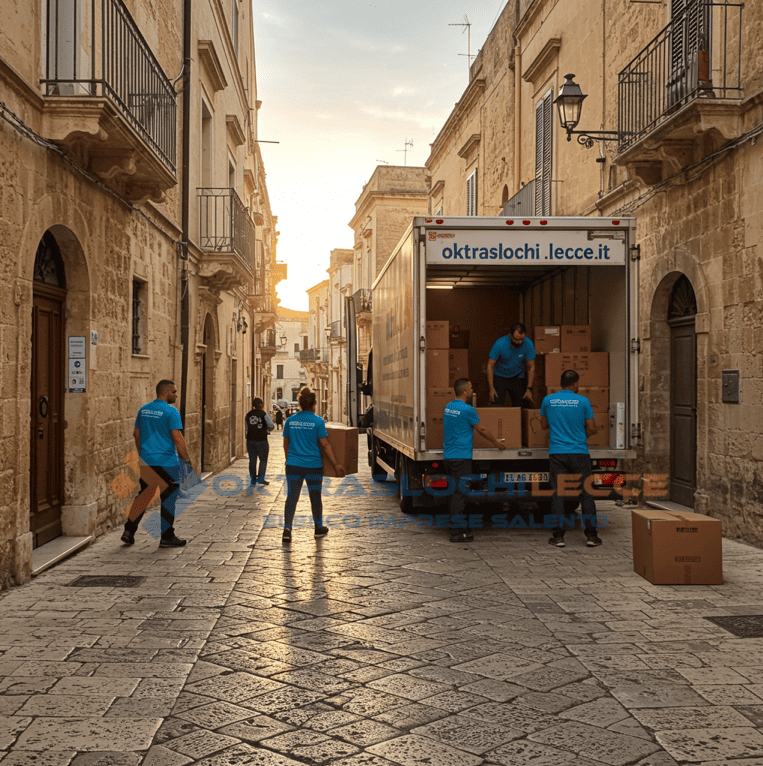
pixel 592 541
pixel 171 542
pixel 461 537
pixel 128 538
pixel 263 483
pixel 557 541
pixel 321 531
pixel 286 536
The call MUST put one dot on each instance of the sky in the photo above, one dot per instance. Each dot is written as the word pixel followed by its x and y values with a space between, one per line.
pixel 344 85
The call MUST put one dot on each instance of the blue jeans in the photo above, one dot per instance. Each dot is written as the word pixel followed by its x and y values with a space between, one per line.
pixel 258 449
pixel 295 476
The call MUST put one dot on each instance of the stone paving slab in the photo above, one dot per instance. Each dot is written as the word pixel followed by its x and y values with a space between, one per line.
pixel 380 645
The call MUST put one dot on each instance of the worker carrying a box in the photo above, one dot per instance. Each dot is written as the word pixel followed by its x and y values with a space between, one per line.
pixel 304 439
pixel 569 416
pixel 460 420
pixel 511 367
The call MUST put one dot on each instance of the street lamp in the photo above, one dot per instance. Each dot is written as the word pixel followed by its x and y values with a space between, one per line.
pixel 282 338
pixel 569 102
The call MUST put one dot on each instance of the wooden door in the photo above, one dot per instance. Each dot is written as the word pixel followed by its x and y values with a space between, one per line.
pixel 46 453
pixel 683 411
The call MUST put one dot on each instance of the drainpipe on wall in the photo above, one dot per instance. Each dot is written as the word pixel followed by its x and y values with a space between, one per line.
pixel 517 115
pixel 185 208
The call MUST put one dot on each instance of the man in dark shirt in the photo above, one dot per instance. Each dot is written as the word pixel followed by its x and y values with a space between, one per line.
pixel 258 425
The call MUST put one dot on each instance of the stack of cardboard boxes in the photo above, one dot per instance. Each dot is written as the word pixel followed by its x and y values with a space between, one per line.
pixel 568 347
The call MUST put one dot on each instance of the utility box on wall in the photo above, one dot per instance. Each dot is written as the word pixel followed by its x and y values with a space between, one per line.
pixel 730 386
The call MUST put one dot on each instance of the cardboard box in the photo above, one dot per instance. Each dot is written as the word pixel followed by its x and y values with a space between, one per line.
pixel 458 364
pixel 547 339
pixel 459 338
pixel 598 396
pixel 438 334
pixel 677 548
pixel 533 435
pixel 435 431
pixel 576 338
pixel 601 437
pixel 437 368
pixel 504 423
pixel 539 389
pixel 344 443
pixel 593 369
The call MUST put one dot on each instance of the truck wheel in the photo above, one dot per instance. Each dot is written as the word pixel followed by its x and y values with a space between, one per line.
pixel 405 501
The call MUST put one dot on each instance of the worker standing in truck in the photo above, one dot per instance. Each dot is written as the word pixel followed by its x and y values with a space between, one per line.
pixel 511 367
pixel 460 421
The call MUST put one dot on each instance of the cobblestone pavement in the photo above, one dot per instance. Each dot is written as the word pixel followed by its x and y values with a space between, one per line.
pixel 380 645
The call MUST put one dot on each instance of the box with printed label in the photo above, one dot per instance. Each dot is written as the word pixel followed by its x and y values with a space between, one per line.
pixel 677 547
pixel 593 369
pixel 344 442
pixel 576 338
pixel 547 339
pixel 598 396
pixel 458 364
pixel 601 437
pixel 504 423
pixel 438 334
pixel 437 368
pixel 533 434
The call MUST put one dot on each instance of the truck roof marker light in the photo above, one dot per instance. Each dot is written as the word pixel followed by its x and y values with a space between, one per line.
pixel 439 220
pixel 427 220
pixel 544 223
pixel 435 465
pixel 509 223
pixel 615 223
pixel 526 223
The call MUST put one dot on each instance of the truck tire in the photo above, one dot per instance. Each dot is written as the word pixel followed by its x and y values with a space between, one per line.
pixel 405 501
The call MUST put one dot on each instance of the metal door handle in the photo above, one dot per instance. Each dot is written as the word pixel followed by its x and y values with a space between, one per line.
pixel 43 401
pixel 40 432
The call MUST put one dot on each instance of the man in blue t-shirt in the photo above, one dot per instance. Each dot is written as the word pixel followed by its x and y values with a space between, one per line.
pixel 460 421
pixel 511 367
pixel 158 436
pixel 569 416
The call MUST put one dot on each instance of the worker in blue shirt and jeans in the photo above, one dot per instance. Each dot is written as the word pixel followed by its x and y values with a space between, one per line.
pixel 569 417
pixel 511 367
pixel 460 421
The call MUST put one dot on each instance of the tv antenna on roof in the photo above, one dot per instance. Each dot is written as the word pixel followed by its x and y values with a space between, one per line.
pixel 408 143
pixel 467 27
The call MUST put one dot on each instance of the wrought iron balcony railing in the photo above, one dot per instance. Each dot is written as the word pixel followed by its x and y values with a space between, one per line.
pixel 264 304
pixel 96 49
pixel 697 55
pixel 336 330
pixel 312 355
pixel 363 300
pixel 522 203
pixel 268 340
pixel 225 225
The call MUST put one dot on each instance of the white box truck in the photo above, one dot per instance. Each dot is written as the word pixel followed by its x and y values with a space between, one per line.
pixel 483 275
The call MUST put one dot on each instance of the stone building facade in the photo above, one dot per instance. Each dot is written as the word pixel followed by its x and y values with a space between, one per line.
pixel 316 357
pixel 104 288
pixel 340 272
pixel 288 374
pixel 678 88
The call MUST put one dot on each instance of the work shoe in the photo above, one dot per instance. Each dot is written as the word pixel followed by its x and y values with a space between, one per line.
pixel 171 542
pixel 592 541
pixel 128 538
pixel 557 541
pixel 321 531
pixel 263 482
pixel 286 536
pixel 461 537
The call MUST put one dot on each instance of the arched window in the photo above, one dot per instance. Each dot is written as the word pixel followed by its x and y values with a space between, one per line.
pixel 504 195
pixel 48 264
pixel 683 302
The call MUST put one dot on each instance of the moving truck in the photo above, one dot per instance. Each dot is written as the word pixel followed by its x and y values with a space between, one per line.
pixel 471 278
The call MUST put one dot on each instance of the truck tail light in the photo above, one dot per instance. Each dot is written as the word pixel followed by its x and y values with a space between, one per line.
pixel 436 481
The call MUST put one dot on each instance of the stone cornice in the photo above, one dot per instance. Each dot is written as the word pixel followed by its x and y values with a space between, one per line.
pixel 211 62
pixel 437 188
pixel 472 93
pixel 549 51
pixel 528 18
pixel 235 130
pixel 472 142
pixel 381 196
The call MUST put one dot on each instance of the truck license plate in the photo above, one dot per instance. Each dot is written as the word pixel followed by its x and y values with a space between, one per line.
pixel 525 478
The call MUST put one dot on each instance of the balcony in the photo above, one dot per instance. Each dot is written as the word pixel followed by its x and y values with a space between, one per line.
pixel 266 310
pixel 313 355
pixel 335 332
pixel 363 307
pixel 267 344
pixel 108 103
pixel 227 237
pixel 680 98
pixel 522 203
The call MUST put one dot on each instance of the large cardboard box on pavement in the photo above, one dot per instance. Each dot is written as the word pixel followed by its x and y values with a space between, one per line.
pixel 677 547
pixel 504 423
pixel 344 443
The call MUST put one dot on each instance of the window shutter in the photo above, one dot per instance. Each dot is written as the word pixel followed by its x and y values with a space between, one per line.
pixel 543 134
pixel 471 194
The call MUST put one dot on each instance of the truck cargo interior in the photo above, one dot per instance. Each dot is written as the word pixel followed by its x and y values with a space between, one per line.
pixel 481 302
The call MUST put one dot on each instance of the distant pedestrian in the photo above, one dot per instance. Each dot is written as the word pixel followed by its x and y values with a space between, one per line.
pixel 258 426
pixel 460 422
pixel 569 416
pixel 279 418
pixel 158 436
pixel 305 440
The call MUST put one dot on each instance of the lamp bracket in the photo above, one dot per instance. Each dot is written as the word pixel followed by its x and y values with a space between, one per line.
pixel 587 138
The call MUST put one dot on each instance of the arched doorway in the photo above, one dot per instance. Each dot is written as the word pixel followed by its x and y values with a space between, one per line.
pixel 682 311
pixel 46 454
pixel 207 394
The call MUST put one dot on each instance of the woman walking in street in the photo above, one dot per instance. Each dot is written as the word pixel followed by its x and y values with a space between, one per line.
pixel 279 418
pixel 305 439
